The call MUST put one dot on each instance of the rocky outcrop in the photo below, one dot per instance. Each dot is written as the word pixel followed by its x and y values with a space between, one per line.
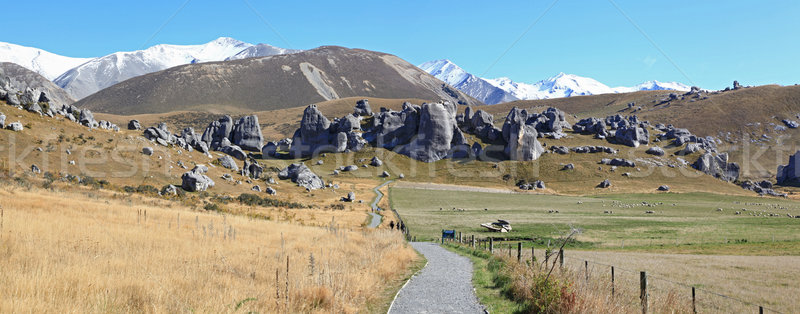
pixel 228 162
pixel 481 123
pixel 522 144
pixel 690 148
pixel 593 149
pixel 618 162
pixel 217 131
pixel 318 135
pixel 362 108
pixel 234 151
pixel 762 188
pixel 717 166
pixel 593 126
pixel 159 134
pixel 301 175
pixel 147 151
pixel 656 151
pixel 791 123
pixel 632 136
pixel 254 169
pixel 790 173
pixel 437 133
pixel 134 125
pixel 351 197
pixel 605 184
pixel 375 162
pixel 87 119
pixel 15 126
pixel 683 136
pixel 196 180
pixel 246 134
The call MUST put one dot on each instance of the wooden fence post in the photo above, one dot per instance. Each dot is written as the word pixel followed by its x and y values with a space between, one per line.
pixel 533 256
pixel 561 257
pixel 519 252
pixel 694 298
pixel 547 257
pixel 491 246
pixel 760 309
pixel 460 239
pixel 586 267
pixel 643 292
pixel 472 241
pixel 612 282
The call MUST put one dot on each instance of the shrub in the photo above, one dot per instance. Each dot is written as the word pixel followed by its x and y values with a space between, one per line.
pixel 255 200
pixel 147 189
pixel 212 206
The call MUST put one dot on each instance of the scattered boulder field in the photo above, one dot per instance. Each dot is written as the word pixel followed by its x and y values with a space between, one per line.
pixel 428 133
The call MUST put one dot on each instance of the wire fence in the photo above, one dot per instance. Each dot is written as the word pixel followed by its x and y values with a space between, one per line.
pixel 699 240
pixel 622 285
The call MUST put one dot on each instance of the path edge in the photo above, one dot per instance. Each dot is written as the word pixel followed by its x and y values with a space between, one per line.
pixel 404 285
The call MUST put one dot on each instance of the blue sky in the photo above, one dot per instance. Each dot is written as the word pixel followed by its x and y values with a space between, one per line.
pixel 705 43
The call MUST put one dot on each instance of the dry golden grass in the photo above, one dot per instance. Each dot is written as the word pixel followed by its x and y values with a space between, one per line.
pixel 97 251
pixel 758 280
pixel 769 281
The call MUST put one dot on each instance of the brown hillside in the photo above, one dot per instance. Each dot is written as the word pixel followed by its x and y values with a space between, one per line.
pixel 275 82
pixel 740 118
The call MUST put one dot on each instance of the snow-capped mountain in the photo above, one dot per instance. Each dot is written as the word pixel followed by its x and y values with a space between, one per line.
pixel 81 77
pixel 103 72
pixel 494 91
pixel 472 85
pixel 654 85
pixel 45 63
pixel 261 50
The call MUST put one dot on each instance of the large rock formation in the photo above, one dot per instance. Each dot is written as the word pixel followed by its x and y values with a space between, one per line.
pixel 436 135
pixel 301 175
pixel 482 124
pixel 717 166
pixel 196 180
pixel 591 126
pixel 318 135
pixel 246 133
pixel 632 135
pixel 362 108
pixel 217 131
pixel 790 173
pixel 522 143
pixel 391 128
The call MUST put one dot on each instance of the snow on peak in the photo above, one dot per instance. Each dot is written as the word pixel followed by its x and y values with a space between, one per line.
pixel 261 50
pixel 45 63
pixel 557 86
pixel 111 69
pixel 446 71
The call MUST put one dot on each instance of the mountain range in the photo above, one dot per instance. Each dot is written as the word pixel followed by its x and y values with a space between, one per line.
pixel 273 82
pixel 499 90
pixel 81 77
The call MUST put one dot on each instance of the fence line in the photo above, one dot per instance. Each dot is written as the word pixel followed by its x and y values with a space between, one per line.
pixel 648 282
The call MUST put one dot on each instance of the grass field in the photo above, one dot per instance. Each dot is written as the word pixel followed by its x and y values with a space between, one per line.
pixel 101 251
pixel 686 218
pixel 716 250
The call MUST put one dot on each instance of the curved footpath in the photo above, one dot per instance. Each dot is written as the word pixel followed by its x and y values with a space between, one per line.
pixel 376 219
pixel 443 286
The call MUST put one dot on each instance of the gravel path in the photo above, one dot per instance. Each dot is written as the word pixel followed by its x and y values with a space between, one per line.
pixel 443 286
pixel 376 219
